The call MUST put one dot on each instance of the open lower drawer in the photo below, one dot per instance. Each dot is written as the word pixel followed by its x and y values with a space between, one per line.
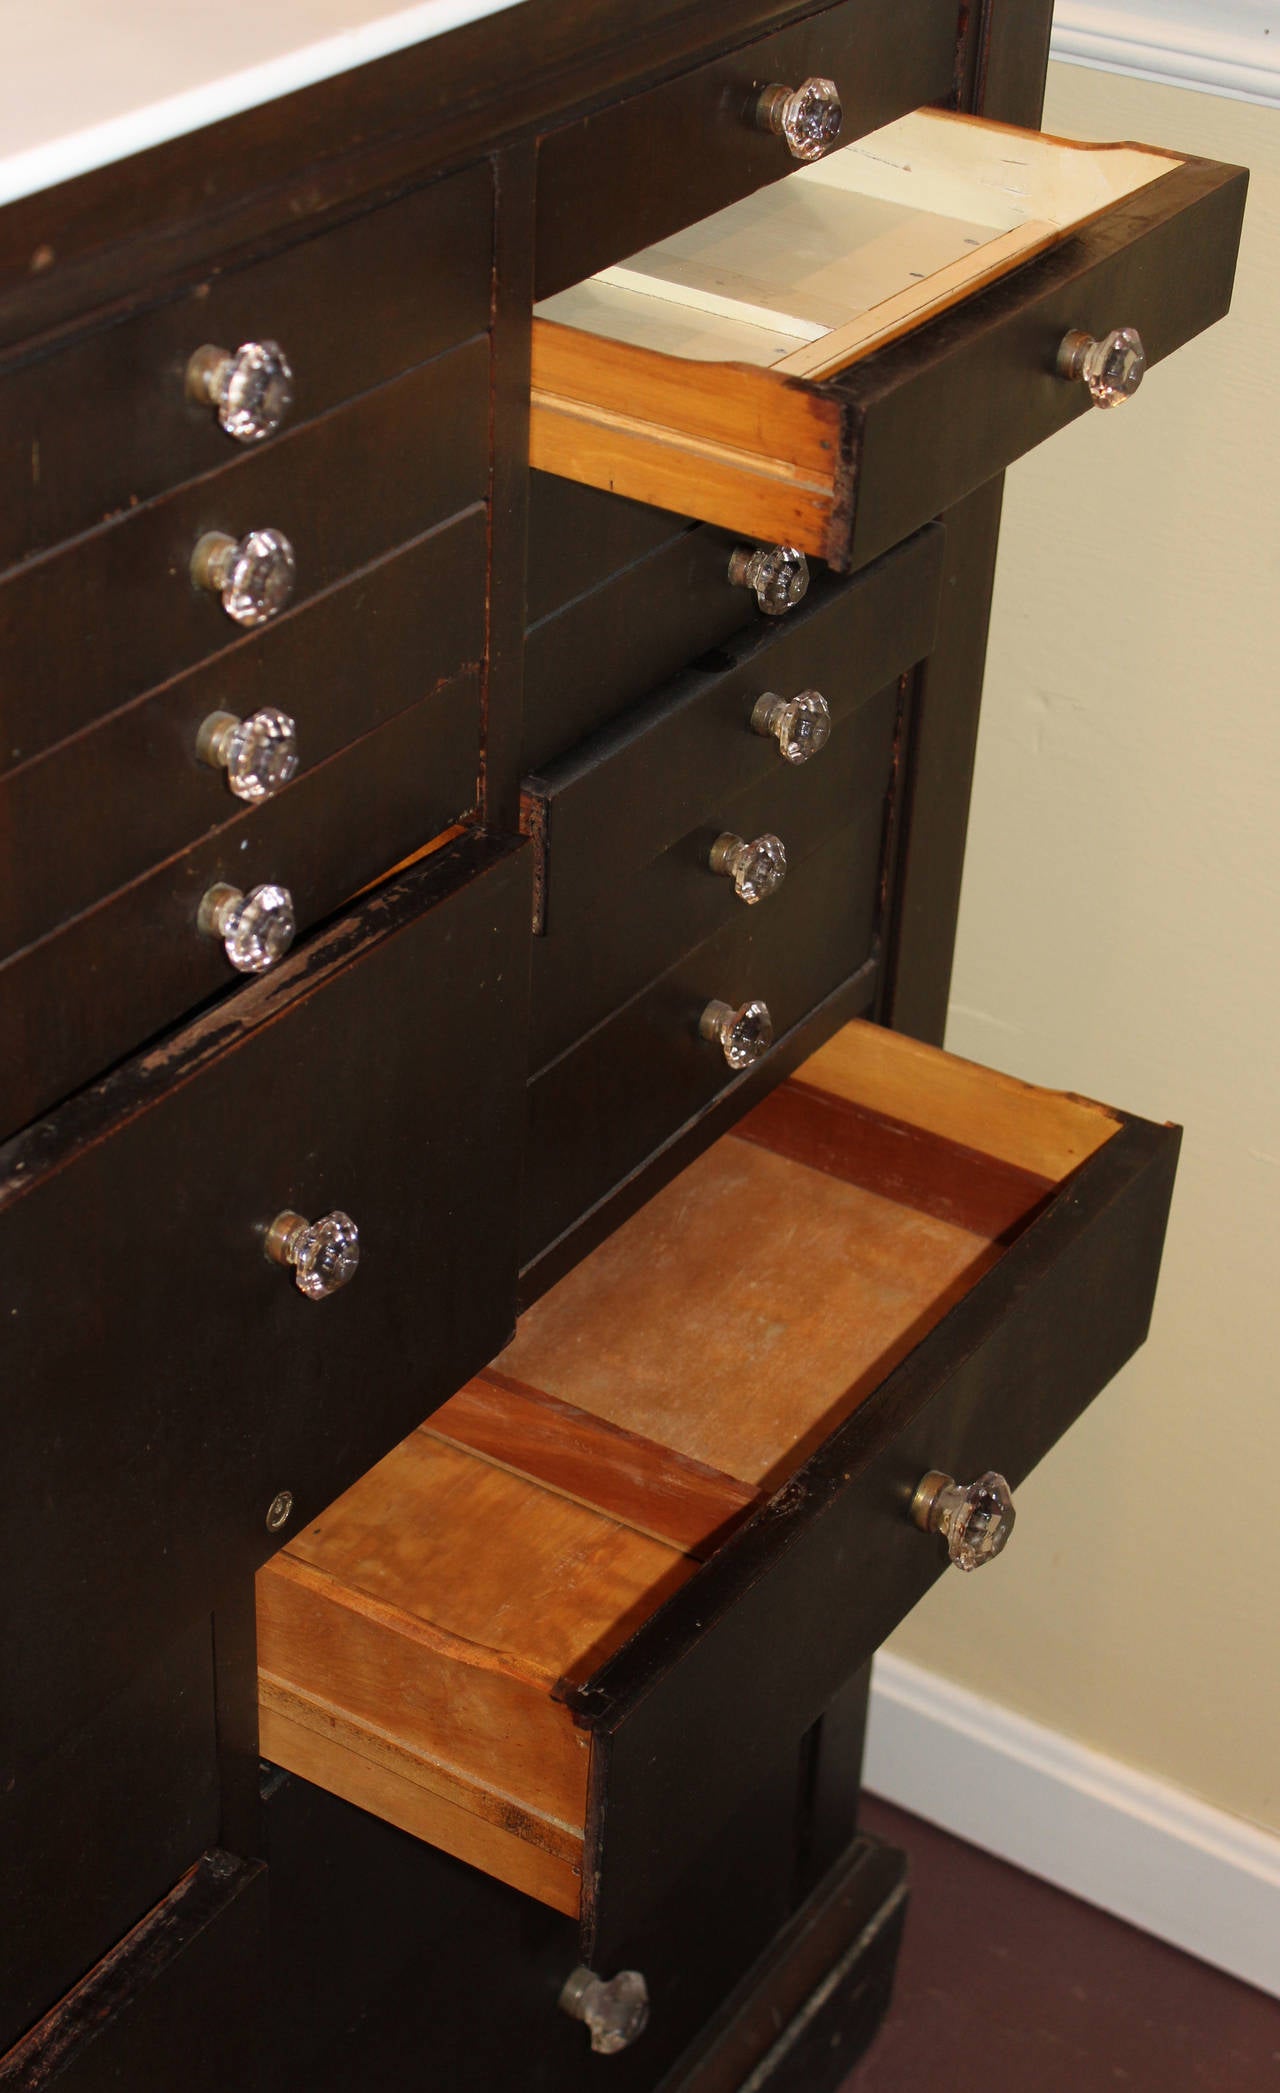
pixel 566 1627
pixel 834 360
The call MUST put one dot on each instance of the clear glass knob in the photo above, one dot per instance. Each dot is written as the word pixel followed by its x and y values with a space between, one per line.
pixel 974 1519
pixel 615 2013
pixel 801 726
pixel 808 117
pixel 324 1254
pixel 253 575
pixel 756 869
pixel 779 574
pixel 1112 368
pixel 256 928
pixel 743 1035
pixel 251 387
pixel 259 754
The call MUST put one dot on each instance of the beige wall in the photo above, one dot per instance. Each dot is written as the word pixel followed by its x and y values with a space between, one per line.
pixel 1120 935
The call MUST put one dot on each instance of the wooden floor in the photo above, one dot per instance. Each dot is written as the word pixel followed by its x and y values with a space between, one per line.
pixel 1006 1985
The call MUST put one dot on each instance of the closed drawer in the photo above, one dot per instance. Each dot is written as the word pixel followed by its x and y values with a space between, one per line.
pixel 831 364
pixel 85 630
pixel 619 639
pixel 694 1469
pixel 629 174
pixel 90 992
pixel 601 1109
pixel 148 1340
pixel 182 2000
pixel 608 809
pixel 106 805
pixel 94 428
pixel 586 970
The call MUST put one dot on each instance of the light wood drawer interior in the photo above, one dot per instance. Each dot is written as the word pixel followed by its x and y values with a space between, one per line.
pixel 698 374
pixel 421 1643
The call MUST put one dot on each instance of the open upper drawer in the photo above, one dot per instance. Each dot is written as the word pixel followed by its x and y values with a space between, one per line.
pixel 838 358
pixel 571 1623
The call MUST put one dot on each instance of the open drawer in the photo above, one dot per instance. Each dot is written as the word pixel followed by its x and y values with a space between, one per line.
pixel 836 359
pixel 570 1623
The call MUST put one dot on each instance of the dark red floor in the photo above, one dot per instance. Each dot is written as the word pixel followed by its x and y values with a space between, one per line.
pixel 1007 1986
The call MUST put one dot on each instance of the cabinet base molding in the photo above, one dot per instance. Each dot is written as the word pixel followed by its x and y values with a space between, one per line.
pixel 1203 1880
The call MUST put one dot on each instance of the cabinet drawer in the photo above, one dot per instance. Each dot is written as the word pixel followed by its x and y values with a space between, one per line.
pixel 834 362
pixel 633 172
pixel 182 2000
pixel 619 640
pixel 605 811
pixel 694 1469
pixel 92 429
pixel 147 1339
pixel 90 992
pixel 345 490
pixel 640 926
pixel 601 1109
pixel 105 806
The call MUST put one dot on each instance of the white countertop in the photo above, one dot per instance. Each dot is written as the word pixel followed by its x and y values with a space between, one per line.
pixel 86 82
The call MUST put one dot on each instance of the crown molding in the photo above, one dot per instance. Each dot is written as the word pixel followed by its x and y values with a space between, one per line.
pixel 1223 47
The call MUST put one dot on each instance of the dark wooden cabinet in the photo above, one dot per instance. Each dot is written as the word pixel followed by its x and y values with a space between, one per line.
pixel 599 1231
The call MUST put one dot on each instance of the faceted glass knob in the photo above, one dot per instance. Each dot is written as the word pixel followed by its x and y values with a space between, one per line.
pixel 253 575
pixel 615 2013
pixel 974 1519
pixel 756 869
pixel 743 1035
pixel 801 726
pixel 324 1254
pixel 251 387
pixel 256 928
pixel 808 117
pixel 779 574
pixel 1112 368
pixel 259 754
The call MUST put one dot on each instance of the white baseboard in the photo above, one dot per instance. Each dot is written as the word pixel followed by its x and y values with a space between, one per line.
pixel 1226 47
pixel 1194 1876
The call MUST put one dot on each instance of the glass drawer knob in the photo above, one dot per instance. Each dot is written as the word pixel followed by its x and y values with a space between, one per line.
pixel 808 117
pixel 251 387
pixel 615 2013
pixel 254 575
pixel 743 1035
pixel 801 726
pixel 756 869
pixel 323 1254
pixel 779 574
pixel 1112 368
pixel 974 1519
pixel 259 754
pixel 256 928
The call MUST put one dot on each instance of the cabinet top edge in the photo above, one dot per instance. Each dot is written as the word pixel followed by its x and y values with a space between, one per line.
pixel 131 76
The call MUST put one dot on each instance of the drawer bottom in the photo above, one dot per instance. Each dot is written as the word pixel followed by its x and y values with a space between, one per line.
pixel 440 1646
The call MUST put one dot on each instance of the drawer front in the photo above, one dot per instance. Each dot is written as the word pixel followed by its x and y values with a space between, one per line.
pixel 598 1112
pixel 845 464
pixel 580 538
pixel 626 176
pixel 100 1829
pixel 344 491
pixel 104 807
pixel 755 1646
pixel 95 428
pixel 642 923
pixel 605 811
pixel 617 643
pixel 181 2001
pixel 87 994
pixel 151 1342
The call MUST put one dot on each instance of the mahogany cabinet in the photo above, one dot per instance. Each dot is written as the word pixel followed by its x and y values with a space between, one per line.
pixel 505 1305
